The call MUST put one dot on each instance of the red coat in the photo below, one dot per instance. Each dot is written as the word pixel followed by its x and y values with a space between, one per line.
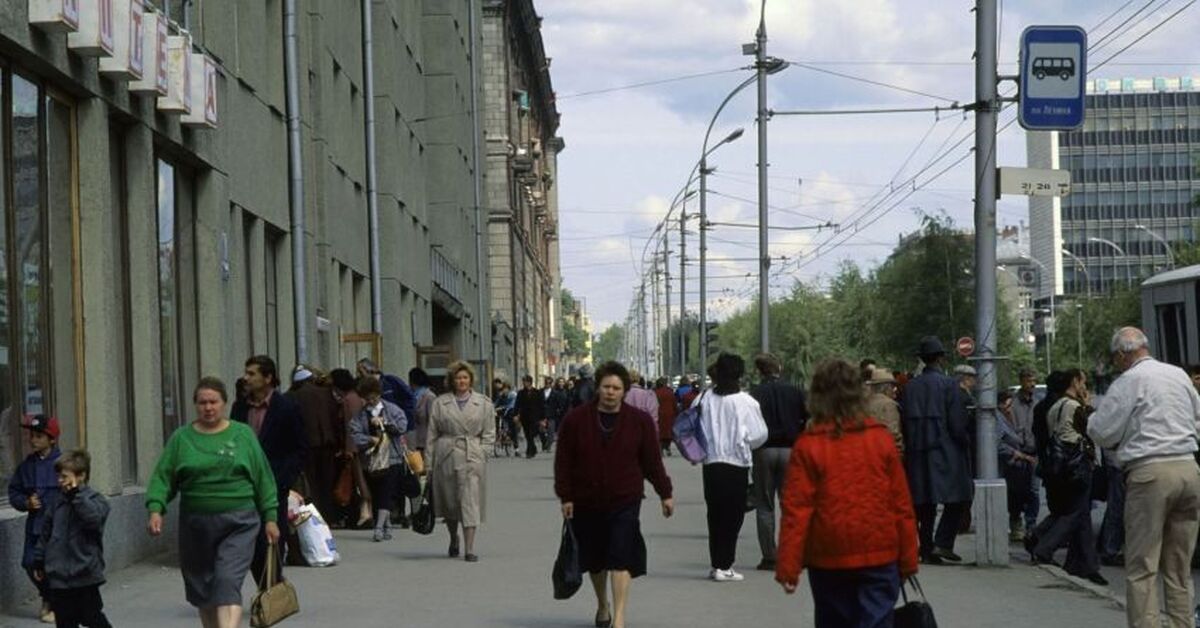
pixel 845 503
pixel 604 475
pixel 666 413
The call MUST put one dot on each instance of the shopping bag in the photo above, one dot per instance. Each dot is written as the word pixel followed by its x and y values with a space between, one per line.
pixel 566 576
pixel 422 520
pixel 689 437
pixel 914 613
pixel 316 540
pixel 416 461
pixel 343 489
pixel 380 458
pixel 276 600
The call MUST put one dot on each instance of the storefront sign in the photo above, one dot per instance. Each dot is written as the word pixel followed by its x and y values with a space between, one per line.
pixel 204 93
pixel 179 80
pixel 54 16
pixel 128 58
pixel 94 38
pixel 154 55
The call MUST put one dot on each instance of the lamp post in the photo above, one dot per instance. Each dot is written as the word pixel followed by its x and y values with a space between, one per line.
pixel 1079 332
pixel 1053 320
pixel 704 172
pixel 1083 267
pixel 1114 246
pixel 1166 245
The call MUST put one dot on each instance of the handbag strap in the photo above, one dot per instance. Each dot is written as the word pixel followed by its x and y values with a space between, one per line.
pixel 916 585
pixel 269 575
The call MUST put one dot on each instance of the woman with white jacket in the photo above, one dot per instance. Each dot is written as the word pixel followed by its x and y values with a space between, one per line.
pixel 733 426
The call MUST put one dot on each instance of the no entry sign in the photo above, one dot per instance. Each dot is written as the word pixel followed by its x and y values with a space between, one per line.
pixel 965 346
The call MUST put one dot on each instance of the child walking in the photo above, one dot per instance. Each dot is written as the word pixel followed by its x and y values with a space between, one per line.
pixel 34 489
pixel 847 515
pixel 69 557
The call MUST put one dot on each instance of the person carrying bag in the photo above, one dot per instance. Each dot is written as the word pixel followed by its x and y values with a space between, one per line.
pixel 276 600
pixel 566 576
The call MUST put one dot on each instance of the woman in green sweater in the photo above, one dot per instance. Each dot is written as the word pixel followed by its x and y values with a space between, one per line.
pixel 226 492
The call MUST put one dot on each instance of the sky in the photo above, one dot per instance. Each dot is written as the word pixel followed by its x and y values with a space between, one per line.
pixel 629 150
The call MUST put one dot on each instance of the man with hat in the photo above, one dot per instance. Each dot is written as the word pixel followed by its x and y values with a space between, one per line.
pixel 33 488
pixel 321 414
pixel 937 443
pixel 881 402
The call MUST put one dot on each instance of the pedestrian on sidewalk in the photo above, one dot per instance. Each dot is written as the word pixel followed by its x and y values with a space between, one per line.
pixel 1068 474
pixel 33 489
pixel 733 427
pixel 641 397
pixel 1024 403
pixel 667 410
pixel 531 409
pixel 937 445
pixel 226 493
pixel 606 452
pixel 1149 415
pixel 345 389
pixel 847 515
pixel 785 414
pixel 380 424
pixel 584 391
pixel 312 392
pixel 69 558
pixel 882 405
pixel 395 389
pixel 1017 459
pixel 462 428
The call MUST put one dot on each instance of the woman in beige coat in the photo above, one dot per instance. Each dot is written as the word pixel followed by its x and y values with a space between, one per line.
pixel 462 428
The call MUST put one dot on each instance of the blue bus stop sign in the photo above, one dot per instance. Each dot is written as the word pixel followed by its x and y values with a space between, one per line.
pixel 1053 75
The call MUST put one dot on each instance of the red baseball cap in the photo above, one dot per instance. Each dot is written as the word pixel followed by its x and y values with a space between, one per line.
pixel 42 423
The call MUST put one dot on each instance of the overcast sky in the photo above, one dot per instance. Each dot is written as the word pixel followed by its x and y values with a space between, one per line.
pixel 629 151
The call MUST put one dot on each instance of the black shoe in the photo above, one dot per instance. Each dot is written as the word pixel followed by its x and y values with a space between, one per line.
pixel 930 559
pixel 1096 578
pixel 945 554
pixel 766 565
pixel 603 622
pixel 1113 561
pixel 453 551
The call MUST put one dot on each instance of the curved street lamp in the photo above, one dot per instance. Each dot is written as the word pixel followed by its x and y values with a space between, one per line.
pixel 1166 245
pixel 1083 267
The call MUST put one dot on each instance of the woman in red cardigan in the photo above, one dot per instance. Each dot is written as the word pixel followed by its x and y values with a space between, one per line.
pixel 607 449
pixel 847 515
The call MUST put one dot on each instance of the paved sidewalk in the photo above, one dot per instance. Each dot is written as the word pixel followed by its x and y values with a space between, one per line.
pixel 410 582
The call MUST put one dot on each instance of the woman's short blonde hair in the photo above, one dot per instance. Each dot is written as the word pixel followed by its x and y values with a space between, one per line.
pixel 455 368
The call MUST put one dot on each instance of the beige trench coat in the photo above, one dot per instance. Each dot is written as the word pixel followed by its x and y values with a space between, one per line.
pixel 457 446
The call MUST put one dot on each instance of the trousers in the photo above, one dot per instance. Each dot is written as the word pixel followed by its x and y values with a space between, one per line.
pixel 947 526
pixel 855 598
pixel 1162 514
pixel 770 464
pixel 76 607
pixel 725 498
pixel 1071 527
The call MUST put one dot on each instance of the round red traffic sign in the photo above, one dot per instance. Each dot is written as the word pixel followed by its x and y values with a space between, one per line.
pixel 965 346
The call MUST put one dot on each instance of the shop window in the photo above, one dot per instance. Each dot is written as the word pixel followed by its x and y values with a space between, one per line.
pixel 168 297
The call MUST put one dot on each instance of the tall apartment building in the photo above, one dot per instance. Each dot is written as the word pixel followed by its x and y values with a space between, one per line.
pixel 147 243
pixel 1133 185
pixel 521 191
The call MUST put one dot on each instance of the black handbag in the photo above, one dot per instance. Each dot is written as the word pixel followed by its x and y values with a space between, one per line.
pixel 422 520
pixel 408 484
pixel 566 575
pixel 914 613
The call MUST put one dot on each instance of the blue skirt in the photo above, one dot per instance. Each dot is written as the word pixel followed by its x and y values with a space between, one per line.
pixel 215 551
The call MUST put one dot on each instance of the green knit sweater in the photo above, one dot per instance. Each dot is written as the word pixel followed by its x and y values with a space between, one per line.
pixel 214 473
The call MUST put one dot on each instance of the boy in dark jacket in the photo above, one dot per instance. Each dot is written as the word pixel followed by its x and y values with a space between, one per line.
pixel 34 489
pixel 69 556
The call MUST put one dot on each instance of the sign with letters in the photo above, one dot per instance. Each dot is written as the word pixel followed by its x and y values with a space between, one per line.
pixel 54 16
pixel 204 93
pixel 128 58
pixel 154 55
pixel 179 71
pixel 1033 181
pixel 94 38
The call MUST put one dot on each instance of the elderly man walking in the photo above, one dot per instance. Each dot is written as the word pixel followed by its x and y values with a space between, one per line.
pixel 937 444
pixel 1150 416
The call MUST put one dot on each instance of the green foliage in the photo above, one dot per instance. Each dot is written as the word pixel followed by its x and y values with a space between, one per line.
pixel 1100 317
pixel 574 340
pixel 608 345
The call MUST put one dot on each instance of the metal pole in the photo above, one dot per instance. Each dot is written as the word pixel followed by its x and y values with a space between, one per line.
pixel 481 313
pixel 654 329
pixel 372 192
pixel 764 257
pixel 667 284
pixel 991 509
pixel 683 289
pixel 1079 331
pixel 703 263
pixel 295 176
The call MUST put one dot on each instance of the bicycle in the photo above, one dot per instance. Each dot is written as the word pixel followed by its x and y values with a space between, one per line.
pixel 505 435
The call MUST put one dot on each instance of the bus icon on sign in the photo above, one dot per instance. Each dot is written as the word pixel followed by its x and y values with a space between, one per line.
pixel 1063 67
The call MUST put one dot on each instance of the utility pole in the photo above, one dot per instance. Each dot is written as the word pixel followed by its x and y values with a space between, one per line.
pixel 764 256
pixel 667 291
pixel 703 260
pixel 683 289
pixel 654 333
pixel 990 505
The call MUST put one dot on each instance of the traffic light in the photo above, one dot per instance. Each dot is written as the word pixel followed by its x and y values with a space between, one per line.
pixel 713 339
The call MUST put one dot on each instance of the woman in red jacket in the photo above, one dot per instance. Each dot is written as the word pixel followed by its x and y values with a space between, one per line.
pixel 847 515
pixel 607 449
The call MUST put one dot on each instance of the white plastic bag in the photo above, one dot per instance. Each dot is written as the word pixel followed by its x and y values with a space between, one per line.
pixel 316 540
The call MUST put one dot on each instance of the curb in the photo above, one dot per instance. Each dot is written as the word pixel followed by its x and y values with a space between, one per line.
pixel 1084 585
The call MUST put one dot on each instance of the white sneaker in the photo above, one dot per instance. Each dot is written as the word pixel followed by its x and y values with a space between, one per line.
pixel 725 575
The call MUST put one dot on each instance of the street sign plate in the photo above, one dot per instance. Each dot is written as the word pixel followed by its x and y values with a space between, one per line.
pixel 1034 181
pixel 1053 75
pixel 965 346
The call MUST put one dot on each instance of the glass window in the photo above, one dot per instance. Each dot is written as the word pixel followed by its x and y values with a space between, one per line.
pixel 168 298
pixel 274 240
pixel 27 194
pixel 10 435
pixel 61 383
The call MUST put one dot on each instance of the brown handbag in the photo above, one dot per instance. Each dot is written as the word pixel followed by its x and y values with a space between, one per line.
pixel 275 601
pixel 416 461
pixel 343 490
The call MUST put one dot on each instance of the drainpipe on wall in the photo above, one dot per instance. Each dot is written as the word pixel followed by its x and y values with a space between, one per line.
pixel 295 177
pixel 481 316
pixel 372 193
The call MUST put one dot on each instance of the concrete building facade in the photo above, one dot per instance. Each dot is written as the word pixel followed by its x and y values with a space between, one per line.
pixel 521 191
pixel 138 253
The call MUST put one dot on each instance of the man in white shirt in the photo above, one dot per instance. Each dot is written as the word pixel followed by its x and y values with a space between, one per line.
pixel 1150 416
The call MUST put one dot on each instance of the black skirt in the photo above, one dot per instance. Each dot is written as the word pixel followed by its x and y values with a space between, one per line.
pixel 611 540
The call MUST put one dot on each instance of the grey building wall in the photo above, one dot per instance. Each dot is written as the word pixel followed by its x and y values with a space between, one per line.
pixel 234 226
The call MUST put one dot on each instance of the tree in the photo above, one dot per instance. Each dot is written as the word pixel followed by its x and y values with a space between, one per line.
pixel 1100 318
pixel 608 345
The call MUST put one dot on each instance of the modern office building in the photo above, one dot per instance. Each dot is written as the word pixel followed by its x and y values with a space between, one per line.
pixel 1133 186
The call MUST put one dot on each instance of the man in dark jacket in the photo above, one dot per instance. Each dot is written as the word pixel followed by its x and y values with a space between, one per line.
pixel 280 428
pixel 325 431
pixel 531 409
pixel 555 397
pixel 784 410
pixel 585 389
pixel 937 443
pixel 395 389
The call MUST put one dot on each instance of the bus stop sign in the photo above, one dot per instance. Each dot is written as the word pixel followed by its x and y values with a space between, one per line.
pixel 1053 75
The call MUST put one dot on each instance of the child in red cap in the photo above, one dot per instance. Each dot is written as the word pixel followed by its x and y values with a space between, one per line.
pixel 34 489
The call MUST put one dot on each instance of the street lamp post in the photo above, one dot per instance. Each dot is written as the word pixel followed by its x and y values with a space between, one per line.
pixel 704 172
pixel 1083 267
pixel 1166 245
pixel 1053 320
pixel 1114 246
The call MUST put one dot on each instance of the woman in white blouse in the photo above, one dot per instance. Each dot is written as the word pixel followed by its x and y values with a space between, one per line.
pixel 733 426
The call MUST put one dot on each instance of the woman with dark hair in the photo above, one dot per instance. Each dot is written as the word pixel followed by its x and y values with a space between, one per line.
pixel 345 390
pixel 667 410
pixel 847 514
pixel 607 449
pixel 226 492
pixel 733 426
